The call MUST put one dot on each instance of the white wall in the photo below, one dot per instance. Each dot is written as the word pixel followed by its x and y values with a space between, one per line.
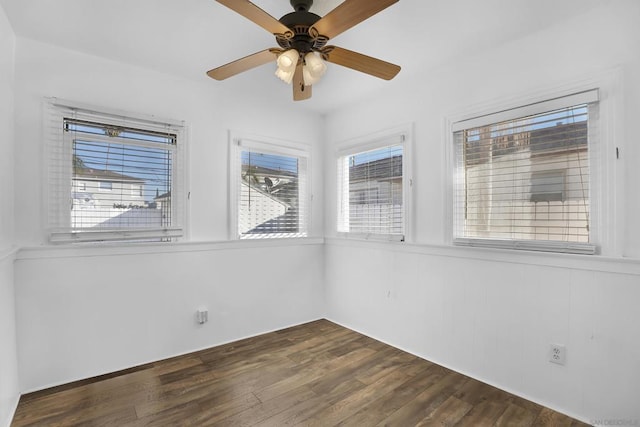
pixel 492 314
pixel 9 390
pixel 46 71
pixel 7 64
pixel 8 361
pixel 93 310
pixel 9 386
pixel 493 318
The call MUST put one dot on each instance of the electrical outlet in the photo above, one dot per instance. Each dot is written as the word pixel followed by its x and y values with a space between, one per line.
pixel 557 354
pixel 202 316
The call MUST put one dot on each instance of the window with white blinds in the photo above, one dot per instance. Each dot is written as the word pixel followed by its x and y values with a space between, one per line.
pixel 112 177
pixel 371 190
pixel 270 183
pixel 522 176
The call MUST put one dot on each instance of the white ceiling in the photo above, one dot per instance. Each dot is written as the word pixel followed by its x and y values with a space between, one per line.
pixel 189 37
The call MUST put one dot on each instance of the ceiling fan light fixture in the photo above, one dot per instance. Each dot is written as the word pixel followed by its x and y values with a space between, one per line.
pixel 315 64
pixel 313 69
pixel 288 60
pixel 285 76
pixel 308 79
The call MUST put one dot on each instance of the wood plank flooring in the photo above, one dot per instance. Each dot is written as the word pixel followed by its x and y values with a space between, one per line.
pixel 316 374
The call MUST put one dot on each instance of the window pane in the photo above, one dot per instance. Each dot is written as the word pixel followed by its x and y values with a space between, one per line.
pixel 116 185
pixel 269 199
pixel 526 179
pixel 374 184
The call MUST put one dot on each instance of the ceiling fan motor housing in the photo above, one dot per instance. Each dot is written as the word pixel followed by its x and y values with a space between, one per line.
pixel 299 23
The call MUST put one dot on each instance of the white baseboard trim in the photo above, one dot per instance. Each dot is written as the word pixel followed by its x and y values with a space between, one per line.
pixel 12 412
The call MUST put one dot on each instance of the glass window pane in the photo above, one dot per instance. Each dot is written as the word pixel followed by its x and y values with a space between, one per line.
pixel 116 185
pixel 375 191
pixel 527 179
pixel 269 196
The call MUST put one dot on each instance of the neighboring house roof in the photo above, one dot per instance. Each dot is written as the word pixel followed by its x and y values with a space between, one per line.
pixel 277 197
pixel 387 168
pixel 278 184
pixel 163 196
pixel 103 175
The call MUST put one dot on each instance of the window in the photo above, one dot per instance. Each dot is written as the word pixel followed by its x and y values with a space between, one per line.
pixel 548 186
pixel 103 185
pixel 112 177
pixel 269 184
pixel 136 190
pixel 372 187
pixel 522 176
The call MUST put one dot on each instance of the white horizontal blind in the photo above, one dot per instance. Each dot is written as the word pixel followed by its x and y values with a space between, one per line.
pixel 112 178
pixel 271 192
pixel 371 191
pixel 525 182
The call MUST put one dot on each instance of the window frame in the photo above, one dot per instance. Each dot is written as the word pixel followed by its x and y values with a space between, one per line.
pixel 605 178
pixel 398 135
pixel 239 142
pixel 58 159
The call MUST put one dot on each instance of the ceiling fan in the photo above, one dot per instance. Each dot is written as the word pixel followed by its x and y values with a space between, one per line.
pixel 302 37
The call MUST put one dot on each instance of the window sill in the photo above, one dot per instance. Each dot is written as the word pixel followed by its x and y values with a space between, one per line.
pixel 113 249
pixel 548 259
pixel 529 245
pixel 102 236
pixel 372 237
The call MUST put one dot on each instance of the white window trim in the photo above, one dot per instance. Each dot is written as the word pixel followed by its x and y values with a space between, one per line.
pixel 397 135
pixel 55 110
pixel 239 141
pixel 607 172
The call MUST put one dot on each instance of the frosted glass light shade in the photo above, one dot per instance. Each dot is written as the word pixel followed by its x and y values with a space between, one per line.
pixel 308 78
pixel 314 68
pixel 285 76
pixel 315 64
pixel 288 60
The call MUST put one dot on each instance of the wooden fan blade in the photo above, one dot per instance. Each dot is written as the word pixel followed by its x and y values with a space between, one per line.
pixel 300 91
pixel 359 62
pixel 242 64
pixel 348 14
pixel 258 16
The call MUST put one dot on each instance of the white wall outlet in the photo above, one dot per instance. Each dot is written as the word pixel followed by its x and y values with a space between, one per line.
pixel 557 354
pixel 202 316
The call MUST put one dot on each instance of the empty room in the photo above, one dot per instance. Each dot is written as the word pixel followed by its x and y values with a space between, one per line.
pixel 328 212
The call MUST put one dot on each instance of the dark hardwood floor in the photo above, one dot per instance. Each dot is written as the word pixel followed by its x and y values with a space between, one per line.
pixel 318 373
